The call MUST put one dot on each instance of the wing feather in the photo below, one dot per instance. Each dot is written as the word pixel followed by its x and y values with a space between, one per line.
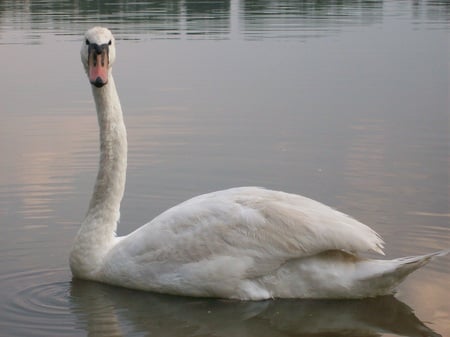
pixel 262 226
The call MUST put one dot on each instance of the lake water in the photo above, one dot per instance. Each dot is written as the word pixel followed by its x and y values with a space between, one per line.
pixel 346 102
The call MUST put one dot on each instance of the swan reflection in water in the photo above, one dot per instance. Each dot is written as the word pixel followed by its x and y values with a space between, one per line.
pixel 105 310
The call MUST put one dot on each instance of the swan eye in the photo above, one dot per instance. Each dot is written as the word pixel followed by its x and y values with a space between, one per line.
pixel 109 43
pixel 87 42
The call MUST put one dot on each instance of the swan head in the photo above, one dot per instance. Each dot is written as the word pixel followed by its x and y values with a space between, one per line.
pixel 98 53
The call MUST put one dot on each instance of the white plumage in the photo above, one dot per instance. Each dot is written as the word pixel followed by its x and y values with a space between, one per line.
pixel 245 243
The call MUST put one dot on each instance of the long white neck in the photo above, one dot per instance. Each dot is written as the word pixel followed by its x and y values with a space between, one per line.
pixel 97 231
pixel 104 206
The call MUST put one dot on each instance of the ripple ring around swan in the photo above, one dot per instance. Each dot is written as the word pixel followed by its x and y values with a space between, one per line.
pixel 37 303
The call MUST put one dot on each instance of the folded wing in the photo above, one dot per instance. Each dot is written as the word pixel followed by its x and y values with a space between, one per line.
pixel 263 227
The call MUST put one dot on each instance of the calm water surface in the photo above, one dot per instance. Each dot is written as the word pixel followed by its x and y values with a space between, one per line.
pixel 342 101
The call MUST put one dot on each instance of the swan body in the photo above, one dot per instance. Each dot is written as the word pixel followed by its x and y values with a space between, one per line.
pixel 244 243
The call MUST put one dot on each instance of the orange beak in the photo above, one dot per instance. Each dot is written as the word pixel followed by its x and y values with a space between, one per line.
pixel 98 64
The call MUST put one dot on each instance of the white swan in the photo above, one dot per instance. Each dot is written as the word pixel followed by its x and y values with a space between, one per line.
pixel 244 243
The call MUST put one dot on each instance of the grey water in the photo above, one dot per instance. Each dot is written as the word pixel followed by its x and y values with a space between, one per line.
pixel 346 102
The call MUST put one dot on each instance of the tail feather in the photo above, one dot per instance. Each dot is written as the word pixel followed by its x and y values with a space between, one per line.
pixel 412 263
pixel 383 276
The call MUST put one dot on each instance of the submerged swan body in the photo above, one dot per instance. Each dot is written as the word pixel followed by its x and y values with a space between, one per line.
pixel 245 243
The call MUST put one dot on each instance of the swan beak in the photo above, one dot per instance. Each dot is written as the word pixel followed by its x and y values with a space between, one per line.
pixel 98 64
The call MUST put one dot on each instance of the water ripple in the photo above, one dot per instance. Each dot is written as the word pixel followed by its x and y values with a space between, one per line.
pixel 37 304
